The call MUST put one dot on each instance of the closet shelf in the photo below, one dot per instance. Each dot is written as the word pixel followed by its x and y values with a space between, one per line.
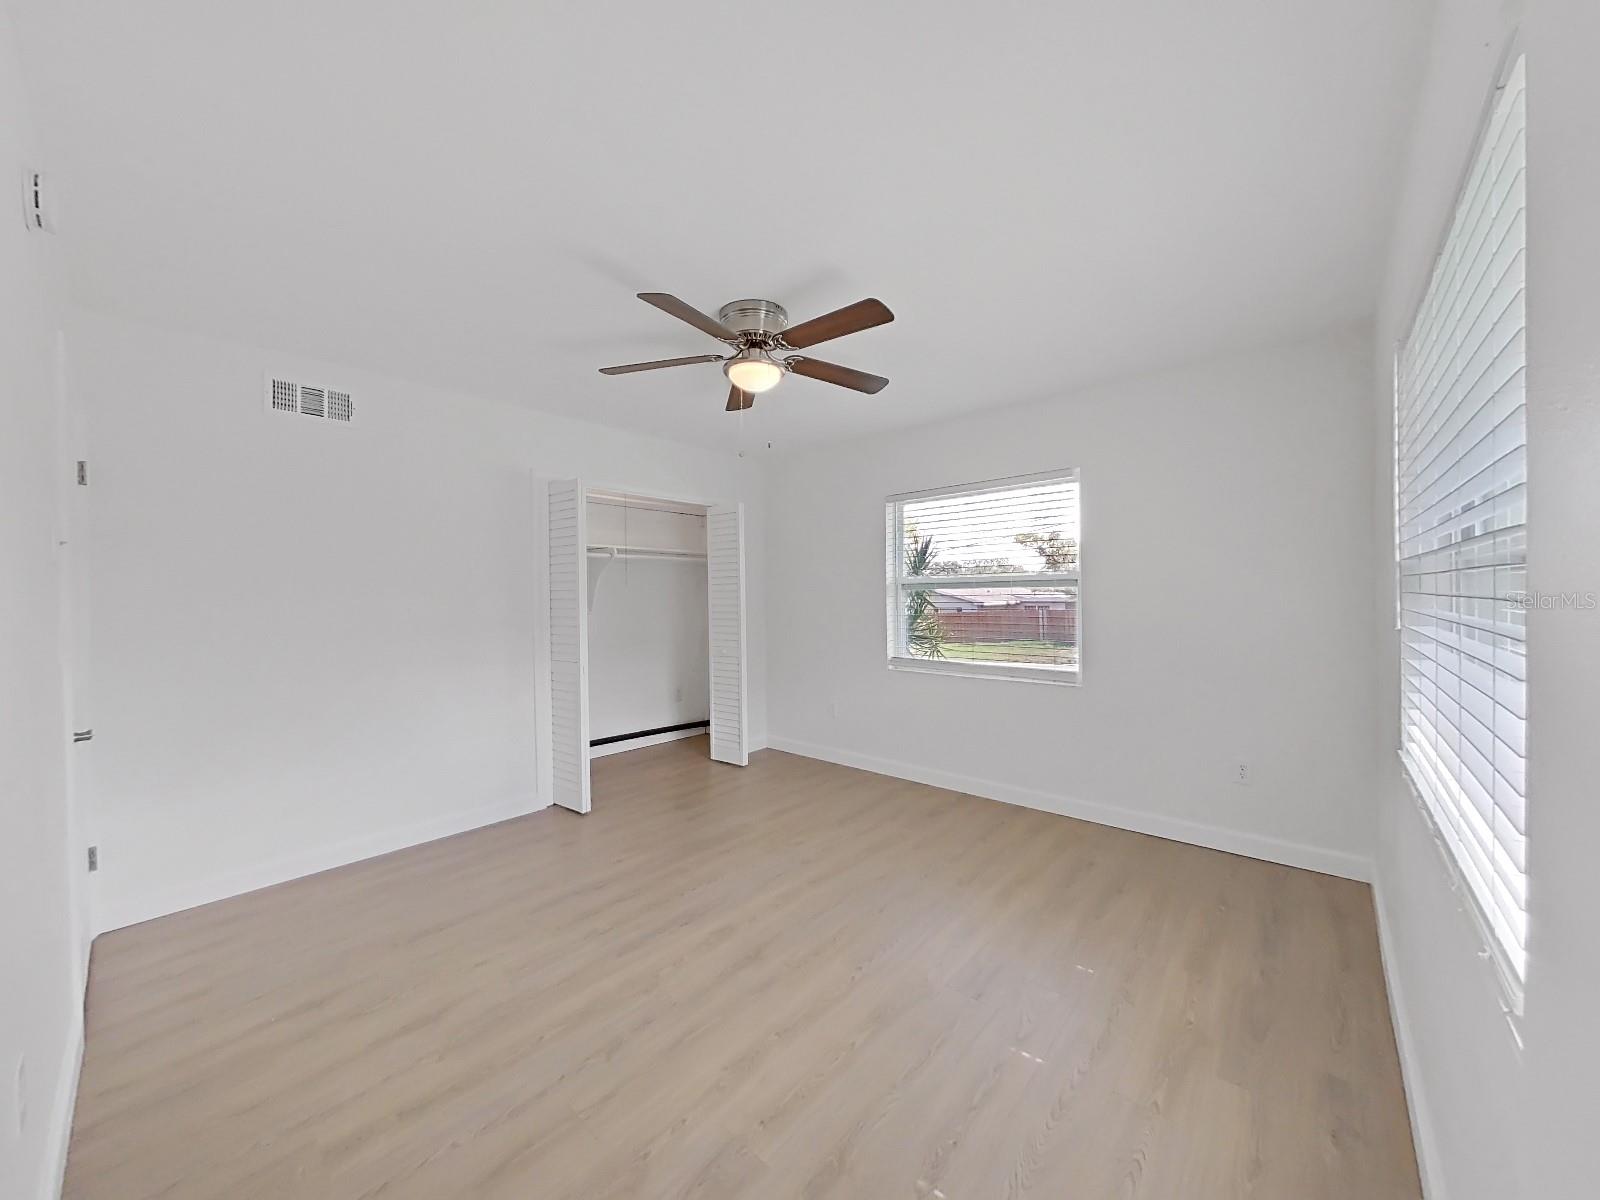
pixel 645 552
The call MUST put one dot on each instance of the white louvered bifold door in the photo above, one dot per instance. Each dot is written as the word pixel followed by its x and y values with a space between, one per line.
pixel 725 586
pixel 1461 496
pixel 569 646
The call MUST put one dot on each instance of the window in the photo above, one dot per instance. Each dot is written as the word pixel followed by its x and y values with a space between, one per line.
pixel 983 578
pixel 1461 536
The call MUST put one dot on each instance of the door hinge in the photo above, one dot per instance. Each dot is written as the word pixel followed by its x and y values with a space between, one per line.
pixel 83 735
pixel 83 472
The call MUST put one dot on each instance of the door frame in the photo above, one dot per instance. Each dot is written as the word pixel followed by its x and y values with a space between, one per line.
pixel 544 663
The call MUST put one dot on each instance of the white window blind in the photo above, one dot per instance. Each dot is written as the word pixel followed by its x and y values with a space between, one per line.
pixel 1461 505
pixel 983 578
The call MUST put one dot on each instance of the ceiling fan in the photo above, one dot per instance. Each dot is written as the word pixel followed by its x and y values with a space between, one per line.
pixel 759 332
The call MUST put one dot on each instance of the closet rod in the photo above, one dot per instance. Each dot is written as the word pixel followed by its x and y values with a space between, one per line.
pixel 644 552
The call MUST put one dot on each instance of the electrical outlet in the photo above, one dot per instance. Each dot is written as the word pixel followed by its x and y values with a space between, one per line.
pixel 94 858
pixel 1241 773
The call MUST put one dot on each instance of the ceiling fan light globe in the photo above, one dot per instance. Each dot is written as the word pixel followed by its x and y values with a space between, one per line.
pixel 753 375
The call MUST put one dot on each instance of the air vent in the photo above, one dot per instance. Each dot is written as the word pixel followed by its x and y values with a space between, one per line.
pixel 308 400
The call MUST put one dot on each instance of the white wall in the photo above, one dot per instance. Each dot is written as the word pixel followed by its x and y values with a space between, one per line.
pixel 1562 1034
pixel 40 952
pixel 1462 1065
pixel 649 657
pixel 1495 1119
pixel 314 643
pixel 1227 515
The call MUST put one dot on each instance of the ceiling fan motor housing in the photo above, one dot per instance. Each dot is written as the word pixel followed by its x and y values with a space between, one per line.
pixel 761 318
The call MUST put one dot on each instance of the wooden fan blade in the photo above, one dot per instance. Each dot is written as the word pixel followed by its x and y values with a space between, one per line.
pixel 672 306
pixel 629 368
pixel 739 401
pixel 829 372
pixel 852 318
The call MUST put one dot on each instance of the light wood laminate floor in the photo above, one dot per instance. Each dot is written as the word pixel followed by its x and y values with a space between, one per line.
pixel 790 980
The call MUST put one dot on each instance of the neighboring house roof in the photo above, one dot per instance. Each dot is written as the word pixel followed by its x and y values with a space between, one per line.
pixel 974 599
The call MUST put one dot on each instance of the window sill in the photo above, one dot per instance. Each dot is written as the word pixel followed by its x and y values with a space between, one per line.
pixel 1071 676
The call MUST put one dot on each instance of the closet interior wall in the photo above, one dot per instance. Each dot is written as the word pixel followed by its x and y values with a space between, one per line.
pixel 648 660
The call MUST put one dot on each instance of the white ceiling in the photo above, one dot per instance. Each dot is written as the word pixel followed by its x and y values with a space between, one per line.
pixel 469 194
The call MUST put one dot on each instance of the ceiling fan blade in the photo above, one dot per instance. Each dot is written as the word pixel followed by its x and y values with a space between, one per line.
pixel 739 401
pixel 829 372
pixel 852 318
pixel 672 306
pixel 629 368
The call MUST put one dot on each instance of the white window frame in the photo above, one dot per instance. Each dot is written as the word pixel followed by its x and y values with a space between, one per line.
pixel 898 582
pixel 1418 774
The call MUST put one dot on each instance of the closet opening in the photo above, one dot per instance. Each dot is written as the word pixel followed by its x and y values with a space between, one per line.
pixel 646 629
pixel 649 624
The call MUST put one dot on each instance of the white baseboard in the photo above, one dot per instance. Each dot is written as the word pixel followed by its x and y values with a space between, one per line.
pixel 655 739
pixel 115 913
pixel 66 1101
pixel 1422 1136
pixel 1251 845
